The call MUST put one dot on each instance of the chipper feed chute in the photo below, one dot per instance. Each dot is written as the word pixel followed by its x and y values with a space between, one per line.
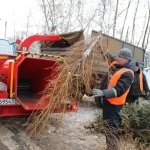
pixel 31 77
pixel 26 78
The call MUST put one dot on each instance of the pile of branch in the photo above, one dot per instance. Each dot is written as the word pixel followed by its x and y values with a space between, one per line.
pixel 136 120
pixel 85 60
pixel 135 125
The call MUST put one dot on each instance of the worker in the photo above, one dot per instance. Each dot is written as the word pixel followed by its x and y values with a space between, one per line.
pixel 120 80
pixel 112 60
pixel 139 86
pixel 112 63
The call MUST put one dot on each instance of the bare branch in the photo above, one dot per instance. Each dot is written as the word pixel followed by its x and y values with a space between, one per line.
pixel 133 28
pixel 146 29
pixel 125 19
pixel 115 19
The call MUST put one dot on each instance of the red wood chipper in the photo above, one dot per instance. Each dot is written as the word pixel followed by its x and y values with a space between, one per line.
pixel 22 78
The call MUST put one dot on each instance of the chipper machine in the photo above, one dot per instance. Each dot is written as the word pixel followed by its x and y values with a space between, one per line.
pixel 23 77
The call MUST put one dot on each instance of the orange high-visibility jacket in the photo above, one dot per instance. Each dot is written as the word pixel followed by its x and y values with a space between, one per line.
pixel 112 83
pixel 141 81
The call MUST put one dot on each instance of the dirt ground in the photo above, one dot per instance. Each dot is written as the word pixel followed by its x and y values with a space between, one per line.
pixel 70 136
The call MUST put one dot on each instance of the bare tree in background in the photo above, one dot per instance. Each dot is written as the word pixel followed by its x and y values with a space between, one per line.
pixel 62 16
pixel 115 19
pixel 125 19
pixel 21 34
pixel 146 30
pixel 127 35
pixel 65 16
pixel 133 27
pixel 80 13
pixel 27 25
pixel 48 13
pixel 103 16
pixel 106 20
pixel 103 13
pixel 69 15
pixel 144 22
pixel 109 18
pixel 148 35
pixel 87 27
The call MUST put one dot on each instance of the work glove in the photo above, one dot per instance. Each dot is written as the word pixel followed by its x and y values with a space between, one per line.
pixel 97 92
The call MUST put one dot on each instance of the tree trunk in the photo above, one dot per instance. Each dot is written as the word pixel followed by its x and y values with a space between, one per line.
pixel 115 19
pixel 133 28
pixel 125 19
pixel 145 33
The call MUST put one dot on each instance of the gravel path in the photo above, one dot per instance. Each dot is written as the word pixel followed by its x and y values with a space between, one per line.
pixel 71 135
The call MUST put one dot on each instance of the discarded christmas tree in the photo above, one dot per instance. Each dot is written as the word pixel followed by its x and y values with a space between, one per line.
pixel 84 61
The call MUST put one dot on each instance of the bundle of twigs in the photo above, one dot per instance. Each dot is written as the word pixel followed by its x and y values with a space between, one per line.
pixel 85 60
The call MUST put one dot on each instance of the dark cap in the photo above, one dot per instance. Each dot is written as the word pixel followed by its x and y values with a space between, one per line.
pixel 112 57
pixel 125 53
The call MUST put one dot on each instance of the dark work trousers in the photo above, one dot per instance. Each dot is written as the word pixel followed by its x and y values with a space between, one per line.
pixel 132 98
pixel 112 118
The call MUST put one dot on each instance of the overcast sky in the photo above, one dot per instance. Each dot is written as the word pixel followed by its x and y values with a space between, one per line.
pixel 14 12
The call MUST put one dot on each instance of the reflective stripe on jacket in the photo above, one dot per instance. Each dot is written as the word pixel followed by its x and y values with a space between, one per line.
pixel 141 81
pixel 112 83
